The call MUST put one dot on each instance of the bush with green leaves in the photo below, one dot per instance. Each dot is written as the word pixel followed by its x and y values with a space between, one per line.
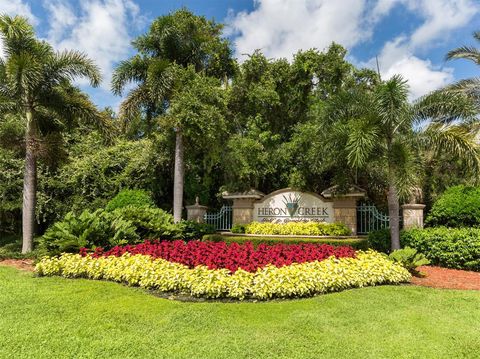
pixel 89 229
pixel 130 197
pixel 447 247
pixel 238 228
pixel 409 258
pixel 126 225
pixel 380 240
pixel 194 230
pixel 458 206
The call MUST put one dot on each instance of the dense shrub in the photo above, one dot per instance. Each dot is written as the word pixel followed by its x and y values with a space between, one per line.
pixel 216 255
pixel 238 228
pixel 296 280
pixel 380 240
pixel 357 243
pixel 447 247
pixel 194 230
pixel 89 229
pixel 458 206
pixel 130 197
pixel 298 228
pixel 108 229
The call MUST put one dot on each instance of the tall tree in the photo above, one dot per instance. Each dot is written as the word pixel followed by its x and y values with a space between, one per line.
pixel 383 127
pixel 35 82
pixel 178 39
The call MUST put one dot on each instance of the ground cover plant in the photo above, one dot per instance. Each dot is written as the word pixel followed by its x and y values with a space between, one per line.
pixel 298 228
pixel 295 280
pixel 216 255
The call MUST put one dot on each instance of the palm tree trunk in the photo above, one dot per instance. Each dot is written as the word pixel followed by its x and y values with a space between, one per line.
pixel 178 176
pixel 29 186
pixel 393 213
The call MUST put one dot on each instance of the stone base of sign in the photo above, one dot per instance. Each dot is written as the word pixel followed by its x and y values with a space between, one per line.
pixel 412 215
pixel 196 212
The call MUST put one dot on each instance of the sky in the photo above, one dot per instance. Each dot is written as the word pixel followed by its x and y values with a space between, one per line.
pixel 409 37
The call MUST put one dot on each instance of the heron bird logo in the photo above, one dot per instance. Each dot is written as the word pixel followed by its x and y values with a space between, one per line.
pixel 292 203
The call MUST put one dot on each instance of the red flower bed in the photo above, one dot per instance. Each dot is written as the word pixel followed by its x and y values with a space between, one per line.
pixel 234 256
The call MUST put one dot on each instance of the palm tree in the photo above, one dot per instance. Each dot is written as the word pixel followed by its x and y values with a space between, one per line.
pixel 383 127
pixel 470 86
pixel 35 83
pixel 180 39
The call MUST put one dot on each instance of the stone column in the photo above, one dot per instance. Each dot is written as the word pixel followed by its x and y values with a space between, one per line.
pixel 196 212
pixel 345 211
pixel 242 209
pixel 412 215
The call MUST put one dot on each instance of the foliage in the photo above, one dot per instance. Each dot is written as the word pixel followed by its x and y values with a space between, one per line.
pixel 380 240
pixel 217 255
pixel 238 228
pixel 194 230
pixel 296 280
pixel 458 206
pixel 95 174
pixel 298 228
pixel 108 228
pixel 447 247
pixel 130 197
pixel 89 229
pixel 409 258
pixel 357 243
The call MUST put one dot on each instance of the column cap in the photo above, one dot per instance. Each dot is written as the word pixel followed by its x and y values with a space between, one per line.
pixel 413 206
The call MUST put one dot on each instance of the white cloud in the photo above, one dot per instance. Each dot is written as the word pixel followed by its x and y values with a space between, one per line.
pixel 100 29
pixel 280 28
pixel 423 77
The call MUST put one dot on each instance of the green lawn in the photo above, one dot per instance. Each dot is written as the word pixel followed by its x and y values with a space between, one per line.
pixel 62 318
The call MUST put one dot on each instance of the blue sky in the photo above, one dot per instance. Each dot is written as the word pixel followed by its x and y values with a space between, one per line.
pixel 410 37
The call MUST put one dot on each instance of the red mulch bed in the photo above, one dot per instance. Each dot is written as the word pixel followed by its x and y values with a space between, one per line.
pixel 23 264
pixel 438 277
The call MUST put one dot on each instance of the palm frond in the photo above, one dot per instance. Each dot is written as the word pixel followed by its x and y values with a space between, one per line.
pixel 132 70
pixel 465 52
pixel 452 139
pixel 70 65
pixel 362 140
pixel 391 101
pixel 445 106
pixel 134 102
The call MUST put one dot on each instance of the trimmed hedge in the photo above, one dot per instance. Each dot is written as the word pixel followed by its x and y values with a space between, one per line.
pixel 458 206
pixel 298 228
pixel 447 247
pixel 357 243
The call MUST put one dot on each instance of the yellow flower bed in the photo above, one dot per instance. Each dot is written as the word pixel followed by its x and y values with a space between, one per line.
pixel 297 280
pixel 298 228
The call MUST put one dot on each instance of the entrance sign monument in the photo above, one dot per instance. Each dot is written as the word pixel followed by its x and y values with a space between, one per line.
pixel 293 206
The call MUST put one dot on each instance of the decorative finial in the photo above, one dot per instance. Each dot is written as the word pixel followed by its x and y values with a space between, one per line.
pixel 197 201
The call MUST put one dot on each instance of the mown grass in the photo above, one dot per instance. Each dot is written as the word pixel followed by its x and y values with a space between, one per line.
pixel 63 318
